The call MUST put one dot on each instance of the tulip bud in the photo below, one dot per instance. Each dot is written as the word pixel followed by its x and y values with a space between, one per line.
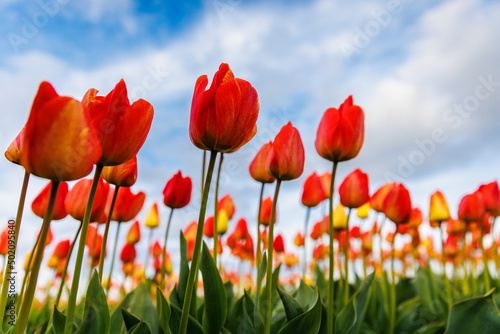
pixel 339 218
pixel 62 249
pixel 128 253
pixel 299 240
pixel 354 190
pixel 472 207
pixel 278 244
pixel 134 234
pixel 285 161
pixel 257 167
pixel 265 211
pixel 438 208
pixel 177 191
pixel 156 250
pixel 152 219
pixel 491 197
pixel 226 203
pixel 397 204
pixel 312 193
pixel 363 210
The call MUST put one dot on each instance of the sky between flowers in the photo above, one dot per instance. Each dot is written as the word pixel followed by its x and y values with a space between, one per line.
pixel 426 73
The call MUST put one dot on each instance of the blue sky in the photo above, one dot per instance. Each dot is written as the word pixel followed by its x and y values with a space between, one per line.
pixel 413 66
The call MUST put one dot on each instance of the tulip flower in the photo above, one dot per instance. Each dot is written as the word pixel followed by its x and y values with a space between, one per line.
pixel 128 253
pixel 354 190
pixel 278 244
pixel 326 180
pixel 127 205
pixel 378 198
pixel 491 197
pixel 415 218
pixel 123 175
pixel 312 193
pixel 226 203
pixel 472 207
pixel 76 200
pixel 177 191
pixel 134 233
pixel 156 250
pixel 363 211
pixel 152 218
pixel 397 204
pixel 265 213
pixel 62 249
pixel 299 240
pixel 438 208
pixel 39 204
pixel 340 220
pixel 14 150
pixel 257 167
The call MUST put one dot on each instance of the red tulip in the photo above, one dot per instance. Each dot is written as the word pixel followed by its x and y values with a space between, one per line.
pixel 62 249
pixel 265 212
pixel 341 132
pixel 472 207
pixel 326 180
pixel 134 233
pixel 354 190
pixel 223 118
pixel 127 204
pixel 156 250
pixel 14 149
pixel 415 218
pixel 121 127
pixel 241 229
pixel 397 205
pixel 123 175
pixel 177 192
pixel 257 167
pixel 60 142
pixel 76 200
pixel 378 198
pixel 491 196
pixel 208 227
pixel 312 193
pixel 4 242
pixel 226 203
pixel 278 244
pixel 128 253
pixel 285 161
pixel 39 204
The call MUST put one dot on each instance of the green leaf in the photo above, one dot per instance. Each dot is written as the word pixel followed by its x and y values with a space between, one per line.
pixel 274 293
pixel 352 315
pixel 306 323
pixel 140 328
pixel 292 306
pixel 258 321
pixel 431 328
pixel 404 290
pixel 183 271
pixel 129 319
pixel 229 296
pixel 58 321
pixel 215 293
pixel 240 317
pixel 193 326
pixel 95 313
pixel 475 314
pixel 117 324
pixel 162 312
pixel 321 281
pixel 304 294
pixel 423 285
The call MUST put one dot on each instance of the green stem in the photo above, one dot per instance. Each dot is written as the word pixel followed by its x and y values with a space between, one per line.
pixel 259 251
pixel 105 236
pixel 331 286
pixel 12 252
pixel 65 270
pixel 216 210
pixel 70 311
pixel 304 270
pixel 486 272
pixel 445 275
pixel 30 292
pixel 197 247
pixel 392 319
pixel 148 252
pixel 113 258
pixel 466 287
pixel 346 260
pixel 27 273
pixel 203 173
pixel 269 275
pixel 164 255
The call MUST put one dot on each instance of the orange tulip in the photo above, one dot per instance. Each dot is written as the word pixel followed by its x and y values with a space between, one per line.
pixel 299 240
pixel 415 218
pixel 378 198
pixel 121 127
pixel 326 179
pixel 341 132
pixel 354 190
pixel 95 248
pixel 14 149
pixel 265 212
pixel 91 235
pixel 39 204
pixel 491 196
pixel 177 191
pixel 241 229
pixel 76 200
pixel 62 249
pixel 472 207
pixel 156 250
pixel 257 167
pixel 134 233
pixel 285 161
pixel 190 232
pixel 397 205
pixel 313 192
pixel 123 175
pixel 224 117
pixel 226 203
pixel 60 142
pixel 127 204
pixel 438 208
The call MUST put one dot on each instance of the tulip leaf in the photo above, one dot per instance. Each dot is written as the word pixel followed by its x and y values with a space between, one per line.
pixel 214 316
pixel 304 293
pixel 193 326
pixel 239 319
pixel 229 296
pixel 321 281
pixel 351 317
pixel 473 314
pixel 96 313
pixel 58 322
pixel 140 328
pixel 423 283
pixel 129 319
pixel 183 271
pixel 308 322
pixel 275 298
pixel 162 312
pixel 292 306
pixel 258 321
pixel 117 324
pixel 431 328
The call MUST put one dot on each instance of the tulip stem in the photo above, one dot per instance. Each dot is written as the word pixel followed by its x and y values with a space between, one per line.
pixel 28 270
pixel 65 270
pixel 259 251
pixel 22 321
pixel 203 173
pixel 269 275
pixel 105 236
pixel 445 275
pixel 70 311
pixel 216 210
pixel 12 249
pixel 148 252
pixel 304 270
pixel 346 260
pixel 486 272
pixel 193 272
pixel 164 254
pixel 392 319
pixel 331 286
pixel 108 285
pixel 466 287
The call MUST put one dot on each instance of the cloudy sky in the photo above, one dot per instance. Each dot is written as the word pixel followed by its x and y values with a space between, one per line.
pixel 426 73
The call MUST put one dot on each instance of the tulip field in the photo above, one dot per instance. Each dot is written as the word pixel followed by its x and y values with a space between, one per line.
pixel 377 273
